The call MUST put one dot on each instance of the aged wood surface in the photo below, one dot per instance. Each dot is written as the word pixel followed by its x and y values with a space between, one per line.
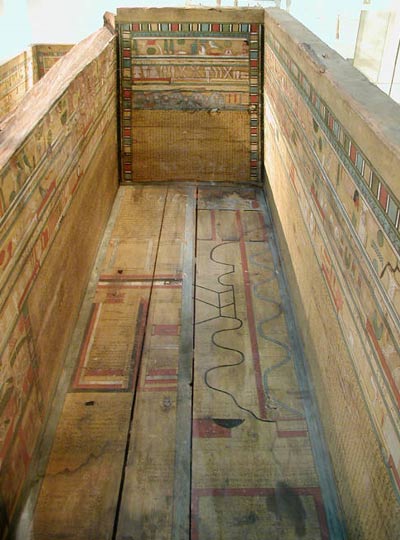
pixel 148 449
pixel 80 490
pixel 189 146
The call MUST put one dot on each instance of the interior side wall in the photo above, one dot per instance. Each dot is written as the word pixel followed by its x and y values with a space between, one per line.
pixel 15 80
pixel 331 179
pixel 58 179
pixel 190 94
pixel 20 73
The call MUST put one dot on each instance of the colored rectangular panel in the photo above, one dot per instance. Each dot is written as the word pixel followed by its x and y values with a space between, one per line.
pixel 110 353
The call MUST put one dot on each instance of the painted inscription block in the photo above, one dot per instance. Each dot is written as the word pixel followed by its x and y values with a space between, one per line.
pixel 189 46
pixel 355 236
pixel 189 74
pixel 110 353
pixel 209 67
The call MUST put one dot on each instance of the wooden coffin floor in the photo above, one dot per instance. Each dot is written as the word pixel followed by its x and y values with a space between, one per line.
pixel 186 414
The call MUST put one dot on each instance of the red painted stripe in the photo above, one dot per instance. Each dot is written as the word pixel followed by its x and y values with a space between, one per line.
pixel 384 363
pixel 50 190
pixel 337 297
pixel 287 434
pixel 165 330
pixel 85 344
pixel 314 196
pixel 99 372
pixel 159 381
pixel 134 277
pixel 158 389
pixel 250 318
pixel 162 372
pixel 28 285
pixel 130 285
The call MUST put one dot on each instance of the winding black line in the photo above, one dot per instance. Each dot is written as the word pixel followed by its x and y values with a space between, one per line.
pixel 261 332
pixel 213 339
pixel 393 269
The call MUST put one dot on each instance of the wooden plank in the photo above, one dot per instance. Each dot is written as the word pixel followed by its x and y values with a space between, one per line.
pixel 182 483
pixel 80 490
pixel 170 256
pixel 244 378
pixel 146 509
pixel 146 503
pixel 133 245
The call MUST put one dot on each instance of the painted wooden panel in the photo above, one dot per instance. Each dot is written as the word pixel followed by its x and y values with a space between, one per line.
pixel 56 192
pixel 132 251
pixel 326 152
pixel 211 68
pixel 251 441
